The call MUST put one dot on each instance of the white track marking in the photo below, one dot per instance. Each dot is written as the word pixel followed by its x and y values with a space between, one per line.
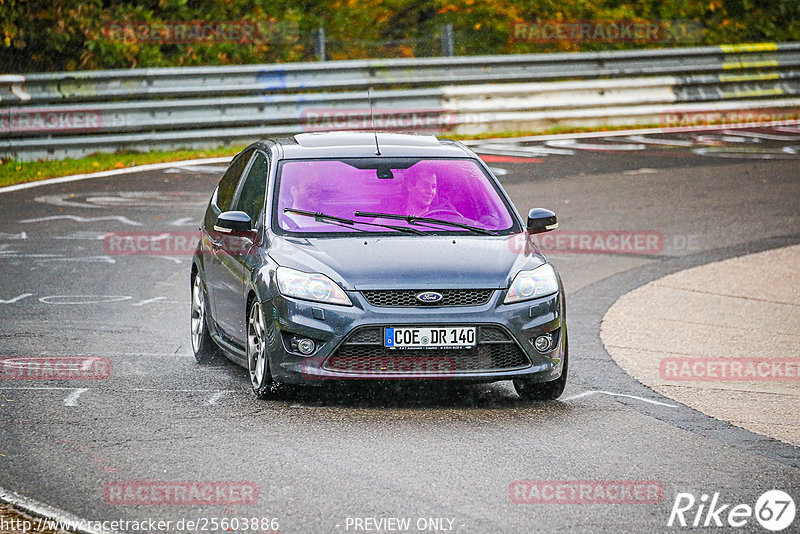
pixel 573 143
pixel 72 398
pixel 498 171
pixel 5 253
pixel 13 254
pixel 715 139
pixel 35 388
pixel 762 135
pixel 122 199
pixel 160 237
pixel 21 235
pixel 89 299
pixel 16 299
pixel 82 235
pixel 57 200
pixel 612 394
pixel 732 152
pixel 656 141
pixel 216 397
pixel 195 169
pixel 84 259
pixel 184 221
pixel 505 149
pixel 643 170
pixel 83 299
pixel 75 218
pixel 148 301
pixel 173 260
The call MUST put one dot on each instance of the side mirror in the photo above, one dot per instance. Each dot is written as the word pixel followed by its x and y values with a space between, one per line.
pixel 541 220
pixel 233 222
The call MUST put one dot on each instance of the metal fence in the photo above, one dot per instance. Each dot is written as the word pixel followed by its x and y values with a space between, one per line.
pixel 69 114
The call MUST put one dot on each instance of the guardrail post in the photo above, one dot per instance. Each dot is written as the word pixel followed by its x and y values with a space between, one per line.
pixel 319 44
pixel 447 40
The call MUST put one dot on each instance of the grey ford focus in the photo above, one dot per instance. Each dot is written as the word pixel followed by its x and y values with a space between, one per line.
pixel 375 256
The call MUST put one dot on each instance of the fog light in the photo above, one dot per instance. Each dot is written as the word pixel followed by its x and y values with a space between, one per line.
pixel 305 346
pixel 543 343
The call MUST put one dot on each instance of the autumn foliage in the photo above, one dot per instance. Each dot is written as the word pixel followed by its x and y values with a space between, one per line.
pixel 55 35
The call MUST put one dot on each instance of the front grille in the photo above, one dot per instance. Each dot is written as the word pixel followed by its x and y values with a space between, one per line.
pixel 492 334
pixel 495 351
pixel 368 336
pixel 406 298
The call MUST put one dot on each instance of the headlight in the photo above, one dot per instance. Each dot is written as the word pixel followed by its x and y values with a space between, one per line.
pixel 527 285
pixel 310 286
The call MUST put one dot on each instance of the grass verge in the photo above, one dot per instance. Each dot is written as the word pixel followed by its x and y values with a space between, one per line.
pixel 17 172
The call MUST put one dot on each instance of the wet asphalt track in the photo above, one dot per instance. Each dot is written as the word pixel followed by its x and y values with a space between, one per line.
pixel 321 456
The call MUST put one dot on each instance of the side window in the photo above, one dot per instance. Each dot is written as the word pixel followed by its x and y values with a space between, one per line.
pixel 229 181
pixel 254 188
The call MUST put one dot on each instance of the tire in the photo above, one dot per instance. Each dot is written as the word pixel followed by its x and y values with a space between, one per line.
pixel 261 381
pixel 203 347
pixel 552 390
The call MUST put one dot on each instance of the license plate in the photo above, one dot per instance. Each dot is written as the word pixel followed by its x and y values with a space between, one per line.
pixel 433 337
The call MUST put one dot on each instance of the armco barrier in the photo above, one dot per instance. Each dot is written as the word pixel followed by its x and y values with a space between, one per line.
pixel 60 115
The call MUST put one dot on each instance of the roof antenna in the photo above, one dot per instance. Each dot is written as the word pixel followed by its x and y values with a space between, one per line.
pixel 372 119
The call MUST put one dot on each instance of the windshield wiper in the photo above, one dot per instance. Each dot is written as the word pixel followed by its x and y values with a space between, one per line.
pixel 323 217
pixel 412 219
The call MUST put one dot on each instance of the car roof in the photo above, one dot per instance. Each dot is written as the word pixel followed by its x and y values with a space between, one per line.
pixel 362 144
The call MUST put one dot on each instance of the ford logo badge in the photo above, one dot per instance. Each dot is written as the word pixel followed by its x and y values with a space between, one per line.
pixel 428 297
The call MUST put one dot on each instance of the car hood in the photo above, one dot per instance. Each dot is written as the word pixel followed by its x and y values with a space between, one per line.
pixel 409 262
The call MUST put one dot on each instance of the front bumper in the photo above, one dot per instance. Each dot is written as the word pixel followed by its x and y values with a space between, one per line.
pixel 349 340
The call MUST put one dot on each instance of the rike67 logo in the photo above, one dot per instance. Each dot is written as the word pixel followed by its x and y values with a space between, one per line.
pixel 774 510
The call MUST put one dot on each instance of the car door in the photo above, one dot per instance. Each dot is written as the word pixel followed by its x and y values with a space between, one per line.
pixel 221 201
pixel 231 257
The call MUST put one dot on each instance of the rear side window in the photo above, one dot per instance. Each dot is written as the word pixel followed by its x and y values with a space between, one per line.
pixel 227 186
pixel 254 188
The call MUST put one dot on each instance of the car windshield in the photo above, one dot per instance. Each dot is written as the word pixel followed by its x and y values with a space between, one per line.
pixel 451 190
